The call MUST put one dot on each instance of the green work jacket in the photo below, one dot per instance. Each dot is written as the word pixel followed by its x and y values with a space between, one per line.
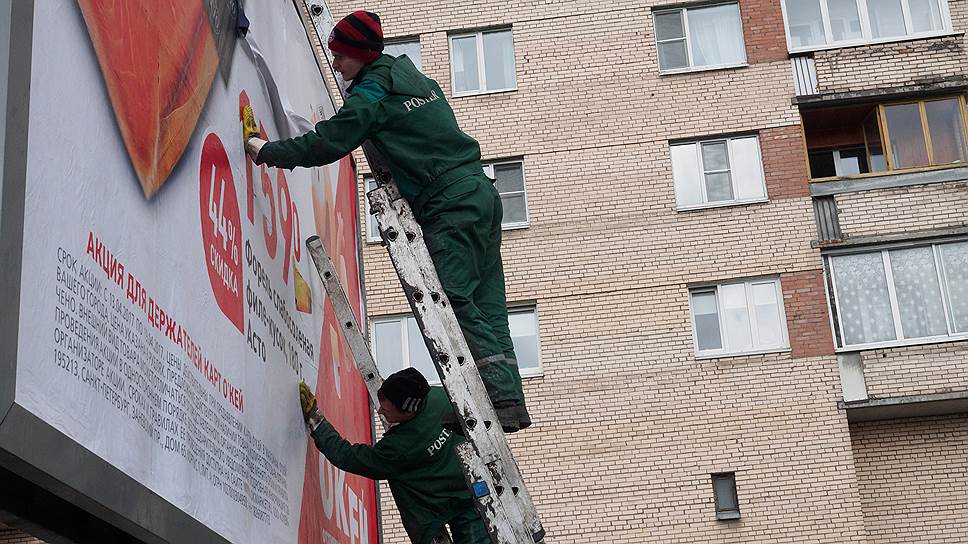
pixel 405 115
pixel 417 459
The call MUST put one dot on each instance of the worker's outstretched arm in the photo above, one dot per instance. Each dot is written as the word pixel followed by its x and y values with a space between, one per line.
pixel 334 138
pixel 387 459
pixel 381 461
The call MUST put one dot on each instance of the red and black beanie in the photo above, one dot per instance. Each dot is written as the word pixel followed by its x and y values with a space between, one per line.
pixel 358 35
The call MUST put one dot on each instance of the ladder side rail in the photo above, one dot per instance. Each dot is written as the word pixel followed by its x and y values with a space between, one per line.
pixel 450 354
pixel 352 332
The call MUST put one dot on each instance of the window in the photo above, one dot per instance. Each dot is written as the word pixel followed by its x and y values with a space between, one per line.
pixel 482 62
pixel 724 492
pixel 814 24
pixel 372 228
pixel 410 48
pixel 711 172
pixel 508 178
pixel 903 295
pixel 703 37
pixel 874 138
pixel 398 344
pixel 737 318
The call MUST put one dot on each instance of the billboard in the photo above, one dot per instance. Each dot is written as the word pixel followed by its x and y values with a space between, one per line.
pixel 165 305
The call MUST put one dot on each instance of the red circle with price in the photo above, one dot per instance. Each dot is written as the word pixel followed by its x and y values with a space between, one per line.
pixel 221 230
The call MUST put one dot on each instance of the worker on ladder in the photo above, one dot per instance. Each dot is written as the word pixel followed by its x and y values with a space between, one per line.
pixel 437 168
pixel 415 456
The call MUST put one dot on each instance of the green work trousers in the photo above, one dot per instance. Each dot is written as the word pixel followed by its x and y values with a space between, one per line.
pixel 468 528
pixel 462 229
pixel 465 528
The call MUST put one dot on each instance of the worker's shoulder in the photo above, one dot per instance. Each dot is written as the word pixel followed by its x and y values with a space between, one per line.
pixel 374 82
pixel 371 90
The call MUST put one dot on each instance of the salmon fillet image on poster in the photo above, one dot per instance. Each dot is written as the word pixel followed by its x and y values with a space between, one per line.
pixel 158 60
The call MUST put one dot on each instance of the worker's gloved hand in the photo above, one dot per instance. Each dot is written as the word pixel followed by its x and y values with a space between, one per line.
pixel 251 136
pixel 310 409
pixel 249 126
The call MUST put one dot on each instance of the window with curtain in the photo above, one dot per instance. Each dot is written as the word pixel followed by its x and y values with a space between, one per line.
pixel 815 24
pixel 716 172
pixel 398 344
pixel 900 294
pixel 699 38
pixel 737 318
pixel 508 179
pixel 482 62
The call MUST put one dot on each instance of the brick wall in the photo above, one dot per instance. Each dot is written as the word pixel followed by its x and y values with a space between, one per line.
pixel 916 370
pixel 784 161
pixel 903 209
pixel 629 427
pixel 808 320
pixel 913 474
pixel 881 66
pixel 763 31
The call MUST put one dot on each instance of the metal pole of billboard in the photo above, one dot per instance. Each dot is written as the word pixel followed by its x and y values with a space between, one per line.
pixel 491 472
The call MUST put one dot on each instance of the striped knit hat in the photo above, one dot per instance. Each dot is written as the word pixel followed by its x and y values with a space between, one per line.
pixel 358 35
pixel 406 389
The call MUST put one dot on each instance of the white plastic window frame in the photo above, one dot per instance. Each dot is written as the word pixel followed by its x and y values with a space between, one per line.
pixel 369 183
pixel 685 29
pixel 865 27
pixel 418 62
pixel 403 321
pixel 479 35
pixel 732 179
pixel 489 172
pixel 835 315
pixel 725 351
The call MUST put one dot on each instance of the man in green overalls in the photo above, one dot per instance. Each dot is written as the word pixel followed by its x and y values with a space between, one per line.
pixel 415 456
pixel 437 168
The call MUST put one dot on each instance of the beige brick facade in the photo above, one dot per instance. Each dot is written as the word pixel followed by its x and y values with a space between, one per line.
pixel 916 370
pixel 630 424
pixel 913 474
pixel 903 209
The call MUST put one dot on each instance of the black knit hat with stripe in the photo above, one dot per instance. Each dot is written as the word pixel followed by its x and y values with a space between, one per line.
pixel 358 35
pixel 406 389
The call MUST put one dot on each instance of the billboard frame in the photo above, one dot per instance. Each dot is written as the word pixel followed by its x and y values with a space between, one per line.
pixel 61 491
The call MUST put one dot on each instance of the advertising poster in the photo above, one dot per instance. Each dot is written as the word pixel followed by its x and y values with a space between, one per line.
pixel 168 305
